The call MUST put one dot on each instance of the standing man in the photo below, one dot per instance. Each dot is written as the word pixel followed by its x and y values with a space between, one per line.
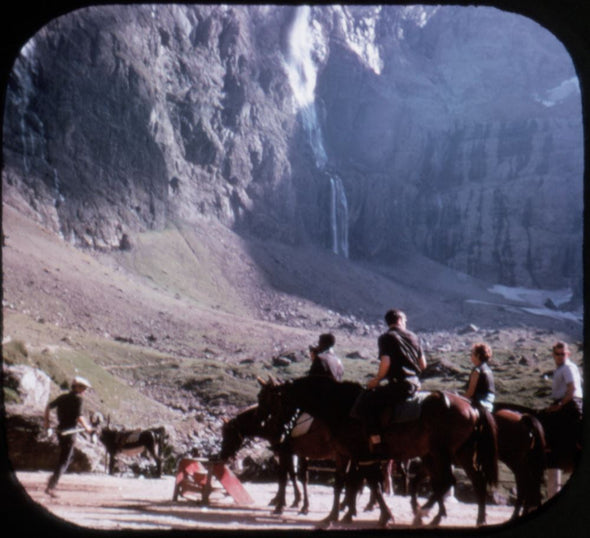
pixel 70 418
pixel 563 417
pixel 324 361
pixel 401 360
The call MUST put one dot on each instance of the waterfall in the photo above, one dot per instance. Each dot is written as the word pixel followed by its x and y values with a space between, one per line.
pixel 302 73
pixel 338 217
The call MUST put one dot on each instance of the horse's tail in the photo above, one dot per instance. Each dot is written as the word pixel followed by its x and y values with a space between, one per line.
pixel 536 458
pixel 487 446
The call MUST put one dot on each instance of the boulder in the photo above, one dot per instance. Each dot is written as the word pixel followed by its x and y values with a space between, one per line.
pixel 31 385
pixel 31 449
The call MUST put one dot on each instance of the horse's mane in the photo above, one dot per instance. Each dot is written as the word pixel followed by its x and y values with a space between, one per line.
pixel 345 386
pixel 327 396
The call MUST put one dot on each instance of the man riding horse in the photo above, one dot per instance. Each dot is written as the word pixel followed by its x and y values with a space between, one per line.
pixel 401 360
pixel 563 418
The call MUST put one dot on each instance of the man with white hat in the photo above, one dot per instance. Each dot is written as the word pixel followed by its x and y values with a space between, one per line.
pixel 70 421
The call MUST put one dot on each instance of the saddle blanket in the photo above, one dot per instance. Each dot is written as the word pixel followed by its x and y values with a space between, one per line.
pixel 407 410
pixel 302 425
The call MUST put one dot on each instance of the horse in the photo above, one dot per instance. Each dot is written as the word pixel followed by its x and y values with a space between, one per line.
pixel 246 424
pixel 449 431
pixel 562 450
pixel 315 444
pixel 130 442
pixel 521 446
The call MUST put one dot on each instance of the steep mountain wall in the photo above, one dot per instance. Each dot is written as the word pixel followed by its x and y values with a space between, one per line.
pixel 452 131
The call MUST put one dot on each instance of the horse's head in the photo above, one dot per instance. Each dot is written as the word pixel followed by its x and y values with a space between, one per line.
pixel 274 405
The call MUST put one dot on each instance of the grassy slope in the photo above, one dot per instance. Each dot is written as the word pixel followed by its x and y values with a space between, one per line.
pixel 177 320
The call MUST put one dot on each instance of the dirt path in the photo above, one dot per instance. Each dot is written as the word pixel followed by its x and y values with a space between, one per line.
pixel 106 502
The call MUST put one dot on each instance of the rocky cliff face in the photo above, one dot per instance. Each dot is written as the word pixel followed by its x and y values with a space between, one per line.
pixel 369 130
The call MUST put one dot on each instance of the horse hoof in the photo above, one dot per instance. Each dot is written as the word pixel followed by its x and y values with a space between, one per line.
pixel 383 521
pixel 435 521
pixel 326 522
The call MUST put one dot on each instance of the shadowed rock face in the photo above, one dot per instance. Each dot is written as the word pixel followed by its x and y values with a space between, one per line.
pixel 455 132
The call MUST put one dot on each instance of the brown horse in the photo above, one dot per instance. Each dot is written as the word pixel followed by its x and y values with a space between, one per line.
pixel 561 436
pixel 521 446
pixel 449 431
pixel 315 444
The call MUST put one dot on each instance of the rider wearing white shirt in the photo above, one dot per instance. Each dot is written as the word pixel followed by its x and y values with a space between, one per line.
pixel 564 417
pixel 567 385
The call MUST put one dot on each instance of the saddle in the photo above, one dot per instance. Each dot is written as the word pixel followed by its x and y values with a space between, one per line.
pixel 405 411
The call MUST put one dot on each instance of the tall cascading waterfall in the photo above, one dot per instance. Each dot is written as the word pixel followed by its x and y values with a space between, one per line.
pixel 302 73
pixel 338 215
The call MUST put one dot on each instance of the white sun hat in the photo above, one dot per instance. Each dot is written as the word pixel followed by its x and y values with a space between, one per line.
pixel 81 381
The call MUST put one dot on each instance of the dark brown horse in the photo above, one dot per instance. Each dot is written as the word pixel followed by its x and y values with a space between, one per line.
pixel 315 444
pixel 247 425
pixel 562 436
pixel 521 446
pixel 449 431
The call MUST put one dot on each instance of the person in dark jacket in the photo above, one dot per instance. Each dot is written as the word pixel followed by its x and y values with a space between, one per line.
pixel 69 407
pixel 324 362
pixel 480 387
pixel 401 360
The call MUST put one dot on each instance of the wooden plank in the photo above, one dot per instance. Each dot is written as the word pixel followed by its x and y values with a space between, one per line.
pixel 231 484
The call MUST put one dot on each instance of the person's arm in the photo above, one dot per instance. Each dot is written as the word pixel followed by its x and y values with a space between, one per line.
pixel 569 394
pixel 84 423
pixel 46 417
pixel 472 384
pixel 422 361
pixel 384 363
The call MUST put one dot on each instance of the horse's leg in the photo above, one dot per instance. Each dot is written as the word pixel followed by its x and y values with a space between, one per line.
pixel 151 447
pixel 293 476
pixel 339 477
pixel 283 472
pixel 372 502
pixel 413 478
pixel 303 477
pixel 404 469
pixel 375 479
pixel 354 482
pixel 441 478
pixel 386 470
pixel 466 458
pixel 388 477
pixel 521 493
pixel 412 487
